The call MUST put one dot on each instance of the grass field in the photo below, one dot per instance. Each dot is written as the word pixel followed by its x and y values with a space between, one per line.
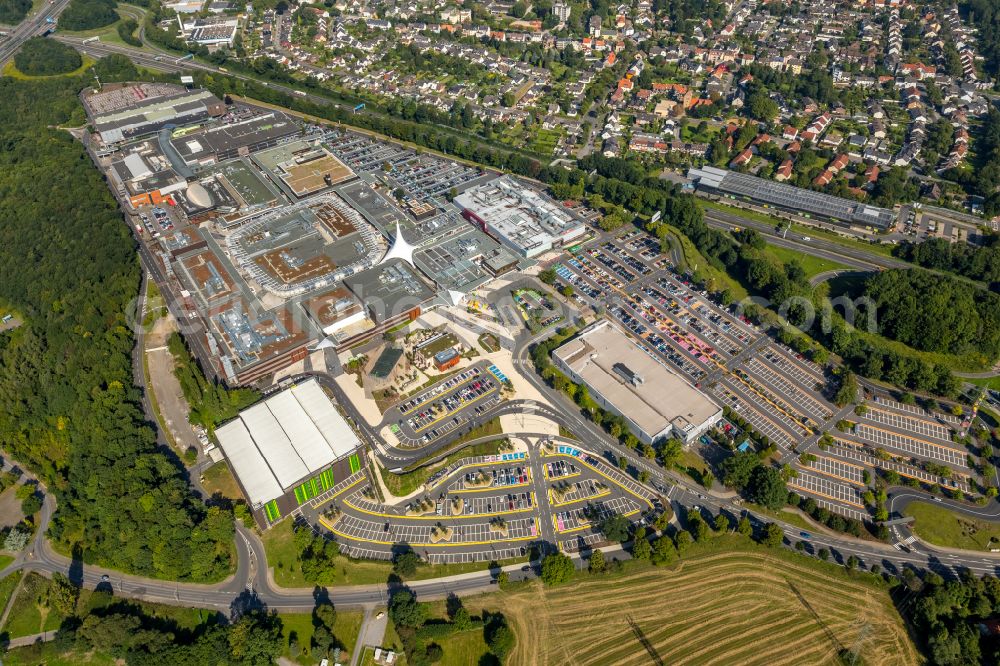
pixel 12 71
pixel 812 265
pixel 300 625
pixel 986 382
pixel 29 615
pixel 939 526
pixel 728 602
pixel 218 479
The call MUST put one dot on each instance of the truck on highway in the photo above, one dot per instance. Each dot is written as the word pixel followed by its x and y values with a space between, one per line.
pixel 91 39
pixel 299 93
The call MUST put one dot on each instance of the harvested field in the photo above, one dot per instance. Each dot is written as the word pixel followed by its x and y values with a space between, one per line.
pixel 746 605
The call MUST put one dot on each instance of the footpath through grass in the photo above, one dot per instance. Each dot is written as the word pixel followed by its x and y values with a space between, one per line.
pixel 943 527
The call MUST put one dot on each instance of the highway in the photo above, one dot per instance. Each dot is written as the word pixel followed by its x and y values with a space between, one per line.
pixel 30 27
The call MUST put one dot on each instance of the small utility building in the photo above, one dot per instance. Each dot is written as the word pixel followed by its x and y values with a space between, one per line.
pixel 288 449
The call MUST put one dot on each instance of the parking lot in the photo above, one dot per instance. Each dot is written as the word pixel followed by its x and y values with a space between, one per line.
pixel 804 402
pixel 814 484
pixel 445 406
pixel 494 477
pixel 423 176
pixel 577 491
pixel 880 437
pixel 839 469
pixel 578 518
pixel 908 423
pixel 498 504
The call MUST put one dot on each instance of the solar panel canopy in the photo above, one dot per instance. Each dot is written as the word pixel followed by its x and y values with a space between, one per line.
pixel 289 437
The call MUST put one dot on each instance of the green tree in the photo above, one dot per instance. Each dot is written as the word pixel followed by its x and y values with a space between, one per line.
pixel 556 568
pixel 767 488
pixel 404 611
pixel 405 564
pixel 772 535
pixel 597 565
pixel 737 469
pixel 500 641
pixel 664 551
pixel 255 639
pixel 615 527
pixel 63 594
pixel 641 550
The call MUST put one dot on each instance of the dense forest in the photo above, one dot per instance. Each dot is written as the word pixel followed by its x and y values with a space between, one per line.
pixel 980 263
pixel 68 407
pixel 44 57
pixel 88 14
pixel 935 313
pixel 13 11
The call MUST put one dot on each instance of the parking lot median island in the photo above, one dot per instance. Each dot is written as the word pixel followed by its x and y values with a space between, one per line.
pixel 441 533
pixel 424 507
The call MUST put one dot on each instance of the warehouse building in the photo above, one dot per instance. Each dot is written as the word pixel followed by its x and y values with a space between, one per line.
pixel 243 136
pixel 519 217
pixel 147 115
pixel 791 198
pixel 627 381
pixel 289 449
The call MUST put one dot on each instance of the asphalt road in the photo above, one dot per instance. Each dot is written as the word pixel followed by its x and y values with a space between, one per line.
pixel 30 27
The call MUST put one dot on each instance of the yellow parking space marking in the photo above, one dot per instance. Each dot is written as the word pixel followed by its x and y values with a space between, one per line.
pixel 492 487
pixel 454 411
pixel 580 499
pixel 445 544
pixel 591 467
pixel 449 516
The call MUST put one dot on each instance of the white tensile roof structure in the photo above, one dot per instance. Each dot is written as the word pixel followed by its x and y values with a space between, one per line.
pixel 400 249
pixel 277 443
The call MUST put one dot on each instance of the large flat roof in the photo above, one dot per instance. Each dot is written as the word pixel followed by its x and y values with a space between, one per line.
pixel 528 220
pixel 289 437
pixel 791 197
pixel 606 359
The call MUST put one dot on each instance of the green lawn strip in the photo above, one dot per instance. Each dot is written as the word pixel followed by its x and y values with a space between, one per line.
pixel 5 559
pixel 26 614
pixel 801 229
pixel 460 648
pixel 282 557
pixel 812 265
pixel 942 527
pixel 51 654
pixel 986 382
